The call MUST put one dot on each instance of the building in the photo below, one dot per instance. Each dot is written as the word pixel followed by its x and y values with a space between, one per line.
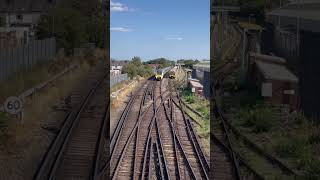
pixel 117 65
pixel 201 71
pixel 294 32
pixel 275 81
pixel 21 17
pixel 196 86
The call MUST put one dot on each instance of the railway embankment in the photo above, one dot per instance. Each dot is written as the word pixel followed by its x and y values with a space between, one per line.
pixel 24 143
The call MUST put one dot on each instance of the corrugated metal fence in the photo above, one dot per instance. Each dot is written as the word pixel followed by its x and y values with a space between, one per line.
pixel 117 79
pixel 24 57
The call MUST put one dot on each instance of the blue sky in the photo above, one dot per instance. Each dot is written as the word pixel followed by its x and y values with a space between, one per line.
pixel 173 29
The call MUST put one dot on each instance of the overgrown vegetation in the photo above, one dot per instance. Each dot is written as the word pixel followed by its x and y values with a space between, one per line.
pixel 3 120
pixel 188 63
pixel 162 62
pixel 258 117
pixel 202 106
pixel 136 68
pixel 293 141
pixel 73 22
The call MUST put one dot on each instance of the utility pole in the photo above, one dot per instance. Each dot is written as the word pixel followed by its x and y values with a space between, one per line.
pixel 243 53
pixel 279 15
pixel 219 12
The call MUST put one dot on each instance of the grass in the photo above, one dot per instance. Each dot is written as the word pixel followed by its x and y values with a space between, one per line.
pixel 25 80
pixel 202 106
pixel 119 85
pixel 259 118
pixel 292 142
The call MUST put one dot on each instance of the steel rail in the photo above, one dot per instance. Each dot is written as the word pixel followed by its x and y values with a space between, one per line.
pixel 177 141
pixel 76 120
pixel 197 148
pixel 123 116
pixel 48 165
pixel 129 140
pixel 159 159
pixel 150 130
pixel 160 139
pixel 224 129
pixel 137 133
pixel 97 172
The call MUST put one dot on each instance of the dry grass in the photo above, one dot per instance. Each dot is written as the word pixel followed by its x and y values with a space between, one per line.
pixel 22 144
pixel 117 102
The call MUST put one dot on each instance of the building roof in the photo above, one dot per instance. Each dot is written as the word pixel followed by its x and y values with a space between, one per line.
pixel 267 58
pixel 276 72
pixel 196 84
pixel 25 6
pixel 118 63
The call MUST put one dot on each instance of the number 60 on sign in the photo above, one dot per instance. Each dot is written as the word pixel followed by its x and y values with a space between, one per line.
pixel 13 105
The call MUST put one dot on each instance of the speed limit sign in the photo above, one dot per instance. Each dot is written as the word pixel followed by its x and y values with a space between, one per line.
pixel 13 105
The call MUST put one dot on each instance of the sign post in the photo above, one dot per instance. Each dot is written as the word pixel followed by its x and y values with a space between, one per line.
pixel 14 105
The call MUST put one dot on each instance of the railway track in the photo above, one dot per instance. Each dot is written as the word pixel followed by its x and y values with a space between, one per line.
pixel 156 147
pixel 76 151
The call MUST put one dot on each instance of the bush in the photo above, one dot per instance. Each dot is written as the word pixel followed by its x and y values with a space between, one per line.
pixel 205 111
pixel 299 118
pixel 135 68
pixel 296 147
pixel 190 99
pixel 313 167
pixel 259 117
pixel 3 120
pixel 186 92
pixel 314 138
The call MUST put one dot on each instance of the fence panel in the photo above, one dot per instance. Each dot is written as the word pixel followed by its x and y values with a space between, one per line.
pixel 117 79
pixel 24 57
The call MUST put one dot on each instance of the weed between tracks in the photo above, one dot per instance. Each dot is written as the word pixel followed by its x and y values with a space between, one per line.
pixel 202 106
pixel 291 138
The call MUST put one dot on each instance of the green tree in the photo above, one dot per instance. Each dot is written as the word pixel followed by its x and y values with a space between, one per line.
pixel 135 67
pixel 136 61
pixel 163 62
pixel 67 25
pixel 73 22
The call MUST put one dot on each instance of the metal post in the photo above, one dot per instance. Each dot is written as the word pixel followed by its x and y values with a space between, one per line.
pixel 243 54
pixel 279 15
pixel 219 47
pixel 298 36
pixel 53 25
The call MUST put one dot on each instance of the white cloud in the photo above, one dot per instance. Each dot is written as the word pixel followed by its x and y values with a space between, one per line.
pixel 120 29
pixel 174 37
pixel 119 7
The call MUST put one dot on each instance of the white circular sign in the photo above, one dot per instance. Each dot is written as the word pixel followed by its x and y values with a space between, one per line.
pixel 13 105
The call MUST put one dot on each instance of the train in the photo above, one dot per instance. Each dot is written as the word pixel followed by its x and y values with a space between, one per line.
pixel 159 74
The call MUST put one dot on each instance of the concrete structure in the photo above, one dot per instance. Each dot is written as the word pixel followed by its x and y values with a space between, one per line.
pixel 201 71
pixel 295 34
